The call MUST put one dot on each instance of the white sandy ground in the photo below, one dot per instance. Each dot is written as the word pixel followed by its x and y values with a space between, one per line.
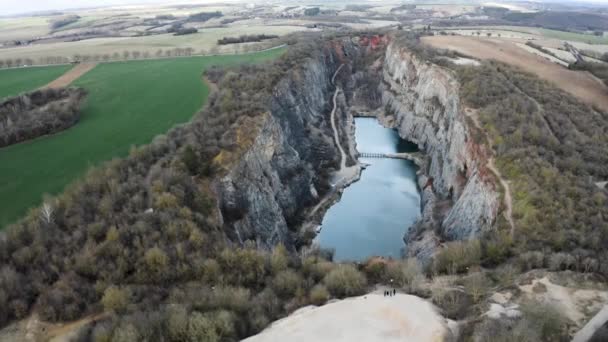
pixel 369 318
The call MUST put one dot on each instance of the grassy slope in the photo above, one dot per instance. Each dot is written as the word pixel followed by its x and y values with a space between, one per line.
pixel 128 104
pixel 15 81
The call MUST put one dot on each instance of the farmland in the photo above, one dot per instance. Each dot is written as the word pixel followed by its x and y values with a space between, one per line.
pixel 580 84
pixel 15 81
pixel 202 42
pixel 128 104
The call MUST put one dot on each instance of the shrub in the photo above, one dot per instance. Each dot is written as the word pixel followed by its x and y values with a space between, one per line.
pixel 455 303
pixel 375 270
pixel 505 330
pixel 321 269
pixel 531 260
pixel 344 281
pixel 125 333
pixel 319 295
pixel 547 319
pixel 115 299
pixel 561 261
pixel 285 283
pixel 279 259
pixel 410 273
pixel 201 328
pixel 476 285
pixel 457 257
pixel 177 322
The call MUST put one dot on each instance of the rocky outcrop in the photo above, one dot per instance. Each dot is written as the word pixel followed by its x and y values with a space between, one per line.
pixel 266 195
pixel 459 196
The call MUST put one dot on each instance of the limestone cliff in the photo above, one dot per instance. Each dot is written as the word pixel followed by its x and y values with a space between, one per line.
pixel 459 196
pixel 266 194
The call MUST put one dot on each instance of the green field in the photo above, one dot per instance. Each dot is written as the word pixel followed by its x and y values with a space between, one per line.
pixel 128 104
pixel 15 81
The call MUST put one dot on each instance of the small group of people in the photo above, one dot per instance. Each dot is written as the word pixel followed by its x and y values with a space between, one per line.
pixel 390 293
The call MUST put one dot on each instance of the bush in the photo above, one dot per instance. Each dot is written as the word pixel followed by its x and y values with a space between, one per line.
pixel 125 333
pixel 477 286
pixel 547 319
pixel 531 260
pixel 505 330
pixel 177 323
pixel 319 295
pixel 561 261
pixel 457 257
pixel 279 259
pixel 345 281
pixel 455 303
pixel 115 299
pixel 201 328
pixel 407 273
pixel 285 283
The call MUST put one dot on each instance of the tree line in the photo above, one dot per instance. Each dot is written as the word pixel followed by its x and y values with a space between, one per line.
pixel 246 39
pixel 38 113
pixel 118 56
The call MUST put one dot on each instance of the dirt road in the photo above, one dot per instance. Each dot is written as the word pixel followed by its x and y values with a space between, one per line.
pixel 71 76
pixel 580 84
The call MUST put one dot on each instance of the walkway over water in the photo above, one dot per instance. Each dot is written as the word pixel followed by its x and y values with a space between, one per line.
pixel 415 157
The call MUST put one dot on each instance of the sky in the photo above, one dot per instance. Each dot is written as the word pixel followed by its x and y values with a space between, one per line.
pixel 9 7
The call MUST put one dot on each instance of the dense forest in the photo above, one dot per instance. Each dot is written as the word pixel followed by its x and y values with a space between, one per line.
pixel 38 113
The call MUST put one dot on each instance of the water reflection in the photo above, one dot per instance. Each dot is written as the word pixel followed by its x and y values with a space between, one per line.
pixel 375 212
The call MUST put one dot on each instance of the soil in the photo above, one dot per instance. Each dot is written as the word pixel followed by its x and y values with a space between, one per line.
pixel 71 76
pixel 580 84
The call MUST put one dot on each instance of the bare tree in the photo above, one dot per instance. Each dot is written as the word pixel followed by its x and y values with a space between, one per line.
pixel 125 54
pixel 46 213
pixel 136 54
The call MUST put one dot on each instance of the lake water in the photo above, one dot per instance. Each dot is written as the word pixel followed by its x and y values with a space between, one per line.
pixel 374 213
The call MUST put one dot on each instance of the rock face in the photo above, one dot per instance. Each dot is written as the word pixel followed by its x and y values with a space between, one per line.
pixel 459 196
pixel 264 197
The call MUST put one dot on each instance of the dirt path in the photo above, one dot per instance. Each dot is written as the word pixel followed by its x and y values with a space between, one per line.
pixel 71 76
pixel 508 200
pixel 579 84
pixel 346 173
pixel 67 331
pixel 335 129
